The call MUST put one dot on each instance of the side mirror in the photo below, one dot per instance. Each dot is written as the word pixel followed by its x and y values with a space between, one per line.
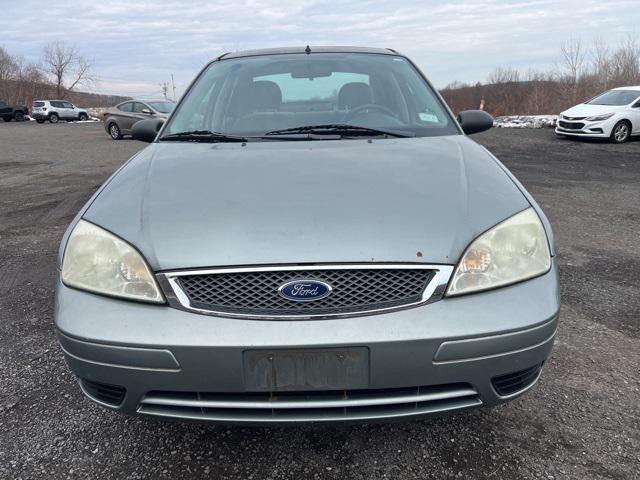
pixel 147 111
pixel 146 130
pixel 474 121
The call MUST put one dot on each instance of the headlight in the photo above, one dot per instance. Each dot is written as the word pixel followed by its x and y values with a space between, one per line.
pixel 98 261
pixel 600 117
pixel 512 251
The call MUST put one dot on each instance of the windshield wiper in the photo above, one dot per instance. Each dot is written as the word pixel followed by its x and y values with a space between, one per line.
pixel 344 130
pixel 205 136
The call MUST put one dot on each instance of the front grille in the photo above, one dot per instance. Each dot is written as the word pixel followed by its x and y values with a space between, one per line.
pixel 512 383
pixel 255 292
pixel 573 118
pixel 110 394
pixel 310 406
pixel 571 125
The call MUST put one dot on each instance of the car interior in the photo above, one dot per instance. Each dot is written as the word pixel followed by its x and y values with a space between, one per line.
pixel 255 96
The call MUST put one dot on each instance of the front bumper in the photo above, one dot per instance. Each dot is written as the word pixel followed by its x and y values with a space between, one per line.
pixel 584 128
pixel 434 358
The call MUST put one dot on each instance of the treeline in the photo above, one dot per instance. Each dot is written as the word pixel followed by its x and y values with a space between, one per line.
pixel 580 74
pixel 58 75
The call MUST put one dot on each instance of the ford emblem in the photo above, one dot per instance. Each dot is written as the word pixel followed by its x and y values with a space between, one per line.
pixel 304 290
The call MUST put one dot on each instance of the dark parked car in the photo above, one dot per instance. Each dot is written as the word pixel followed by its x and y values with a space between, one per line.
pixel 13 112
pixel 118 120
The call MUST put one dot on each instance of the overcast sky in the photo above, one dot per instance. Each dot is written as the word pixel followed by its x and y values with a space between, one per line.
pixel 137 44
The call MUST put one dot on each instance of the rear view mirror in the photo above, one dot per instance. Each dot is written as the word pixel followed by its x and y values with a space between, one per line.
pixel 311 71
pixel 474 121
pixel 146 130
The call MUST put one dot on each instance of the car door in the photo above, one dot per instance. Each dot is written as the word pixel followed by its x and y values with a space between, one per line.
pixel 140 111
pixel 124 116
pixel 74 112
pixel 56 107
pixel 67 111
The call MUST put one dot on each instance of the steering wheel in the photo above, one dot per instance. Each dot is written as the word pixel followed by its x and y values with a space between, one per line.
pixel 370 106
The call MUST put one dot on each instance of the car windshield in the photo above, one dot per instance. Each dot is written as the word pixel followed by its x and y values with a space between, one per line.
pixel 162 107
pixel 615 97
pixel 253 96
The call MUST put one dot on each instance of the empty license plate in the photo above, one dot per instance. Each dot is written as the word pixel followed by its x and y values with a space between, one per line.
pixel 313 369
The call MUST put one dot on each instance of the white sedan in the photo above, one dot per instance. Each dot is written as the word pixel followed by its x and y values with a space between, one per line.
pixel 614 114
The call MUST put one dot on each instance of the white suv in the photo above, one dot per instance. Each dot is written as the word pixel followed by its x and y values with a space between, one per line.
pixel 55 110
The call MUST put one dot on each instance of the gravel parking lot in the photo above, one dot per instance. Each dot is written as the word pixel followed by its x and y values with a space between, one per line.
pixel 581 421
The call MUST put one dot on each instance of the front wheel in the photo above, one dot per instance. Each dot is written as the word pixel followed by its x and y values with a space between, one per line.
pixel 19 117
pixel 621 132
pixel 114 132
pixel 53 118
pixel 83 117
pixel 40 120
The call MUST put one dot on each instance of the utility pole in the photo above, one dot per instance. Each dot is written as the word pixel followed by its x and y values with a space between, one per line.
pixel 174 88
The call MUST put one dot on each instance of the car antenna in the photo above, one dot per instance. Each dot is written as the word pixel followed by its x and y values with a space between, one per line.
pixel 307 50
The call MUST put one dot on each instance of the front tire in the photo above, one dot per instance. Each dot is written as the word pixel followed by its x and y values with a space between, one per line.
pixel 19 117
pixel 83 117
pixel 53 118
pixel 40 120
pixel 620 132
pixel 114 131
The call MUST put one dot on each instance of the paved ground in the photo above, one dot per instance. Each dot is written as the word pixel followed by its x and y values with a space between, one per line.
pixel 582 421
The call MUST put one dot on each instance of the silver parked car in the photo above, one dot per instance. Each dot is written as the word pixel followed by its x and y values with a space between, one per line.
pixel 118 120
pixel 310 237
pixel 56 110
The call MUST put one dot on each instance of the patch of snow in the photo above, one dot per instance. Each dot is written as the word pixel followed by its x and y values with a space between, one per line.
pixel 91 120
pixel 97 112
pixel 525 121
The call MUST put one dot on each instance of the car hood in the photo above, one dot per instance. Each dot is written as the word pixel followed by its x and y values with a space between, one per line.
pixel 584 110
pixel 188 205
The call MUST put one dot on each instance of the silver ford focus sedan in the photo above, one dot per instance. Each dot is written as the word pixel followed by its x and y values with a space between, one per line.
pixel 311 236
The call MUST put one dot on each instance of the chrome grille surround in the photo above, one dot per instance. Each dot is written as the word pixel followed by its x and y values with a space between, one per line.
pixel 315 406
pixel 436 279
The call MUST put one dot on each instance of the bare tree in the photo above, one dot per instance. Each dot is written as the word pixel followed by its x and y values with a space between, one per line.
pixel 7 65
pixel 30 81
pixel 507 90
pixel 67 67
pixel 578 75
pixel 601 60
pixel 625 63
pixel 573 58
pixel 572 63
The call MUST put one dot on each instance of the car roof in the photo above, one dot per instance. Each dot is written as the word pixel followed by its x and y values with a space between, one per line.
pixel 628 88
pixel 323 49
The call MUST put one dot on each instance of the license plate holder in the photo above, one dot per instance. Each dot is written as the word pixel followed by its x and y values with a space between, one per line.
pixel 306 369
